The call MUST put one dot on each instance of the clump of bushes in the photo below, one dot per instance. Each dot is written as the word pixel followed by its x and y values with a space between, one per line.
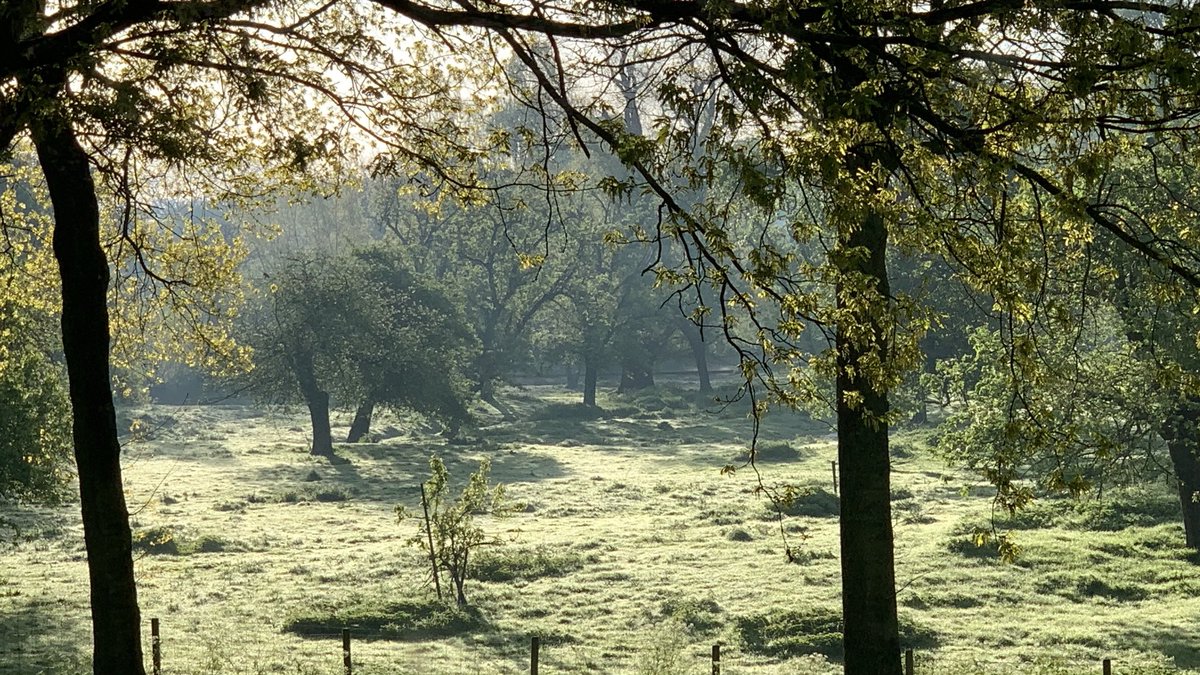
pixel 812 501
pixel 171 540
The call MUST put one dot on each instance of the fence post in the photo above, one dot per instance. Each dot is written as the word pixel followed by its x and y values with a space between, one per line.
pixel 1107 666
pixel 716 660
pixel 155 647
pixel 346 662
pixel 833 470
pixel 534 645
pixel 909 668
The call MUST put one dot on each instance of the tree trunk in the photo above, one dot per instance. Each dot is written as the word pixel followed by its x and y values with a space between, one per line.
pixel 699 353
pixel 589 381
pixel 872 641
pixel 361 425
pixel 636 375
pixel 1181 436
pixel 83 267
pixel 317 401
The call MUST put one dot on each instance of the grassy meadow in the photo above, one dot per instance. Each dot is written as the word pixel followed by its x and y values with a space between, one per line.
pixel 632 553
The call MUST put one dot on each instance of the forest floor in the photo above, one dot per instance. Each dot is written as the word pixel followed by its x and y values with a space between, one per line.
pixel 633 553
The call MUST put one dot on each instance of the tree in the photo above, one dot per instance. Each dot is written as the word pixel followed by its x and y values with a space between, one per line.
pixel 891 115
pixel 361 330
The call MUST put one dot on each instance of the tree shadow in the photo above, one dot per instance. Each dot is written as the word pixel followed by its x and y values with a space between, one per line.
pixel 38 636
pixel 387 472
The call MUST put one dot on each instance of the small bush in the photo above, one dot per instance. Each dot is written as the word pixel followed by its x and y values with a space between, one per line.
pixel 525 563
pixel 815 502
pixel 160 540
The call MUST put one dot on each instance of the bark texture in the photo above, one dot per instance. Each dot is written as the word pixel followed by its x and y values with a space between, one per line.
pixel 83 267
pixel 871 630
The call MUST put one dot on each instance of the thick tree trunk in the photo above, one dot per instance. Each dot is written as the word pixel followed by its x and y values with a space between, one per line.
pixel 590 375
pixel 317 401
pixel 116 641
pixel 1183 442
pixel 699 353
pixel 361 425
pixel 871 626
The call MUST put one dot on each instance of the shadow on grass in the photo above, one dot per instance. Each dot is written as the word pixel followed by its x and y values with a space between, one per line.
pixel 386 472
pixel 38 636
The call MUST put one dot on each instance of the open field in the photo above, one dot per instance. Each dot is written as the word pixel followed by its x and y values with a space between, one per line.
pixel 633 554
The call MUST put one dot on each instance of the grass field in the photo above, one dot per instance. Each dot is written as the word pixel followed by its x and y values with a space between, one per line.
pixel 633 554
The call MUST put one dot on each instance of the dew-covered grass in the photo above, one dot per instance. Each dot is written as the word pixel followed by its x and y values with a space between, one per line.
pixel 632 552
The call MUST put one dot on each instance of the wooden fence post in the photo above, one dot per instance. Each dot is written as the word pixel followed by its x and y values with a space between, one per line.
pixel 1107 665
pixel 346 662
pixel 716 660
pixel 534 645
pixel 833 469
pixel 909 668
pixel 155 647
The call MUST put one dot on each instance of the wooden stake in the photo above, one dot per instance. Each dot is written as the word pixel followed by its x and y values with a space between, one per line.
pixel 346 663
pixel 716 660
pixel 155 647
pixel 908 662
pixel 1107 665
pixel 534 645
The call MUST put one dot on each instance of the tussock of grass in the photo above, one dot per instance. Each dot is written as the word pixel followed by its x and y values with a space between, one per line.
pixel 770 451
pixel 307 493
pixel 789 633
pixel 568 412
pixel 700 615
pixel 525 563
pixel 412 619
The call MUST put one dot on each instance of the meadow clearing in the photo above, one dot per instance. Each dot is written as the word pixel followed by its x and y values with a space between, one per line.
pixel 633 553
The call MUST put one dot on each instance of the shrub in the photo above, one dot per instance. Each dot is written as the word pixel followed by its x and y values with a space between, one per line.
pixel 447 530
pixel 159 540
pixel 816 502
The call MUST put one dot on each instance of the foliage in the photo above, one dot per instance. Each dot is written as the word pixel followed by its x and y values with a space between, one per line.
pixel 35 432
pixel 449 535
pixel 362 328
